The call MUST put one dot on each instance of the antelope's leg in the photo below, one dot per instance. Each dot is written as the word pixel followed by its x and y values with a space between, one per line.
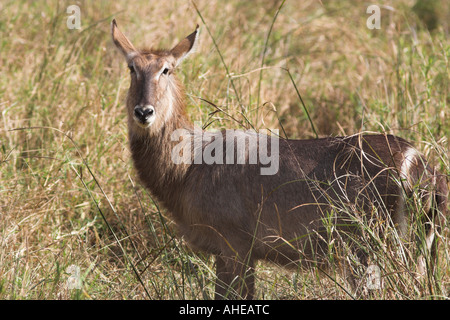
pixel 235 278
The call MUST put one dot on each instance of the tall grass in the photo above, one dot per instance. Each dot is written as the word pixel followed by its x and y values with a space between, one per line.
pixel 68 192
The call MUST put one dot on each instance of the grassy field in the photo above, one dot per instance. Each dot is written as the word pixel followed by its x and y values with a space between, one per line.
pixel 68 191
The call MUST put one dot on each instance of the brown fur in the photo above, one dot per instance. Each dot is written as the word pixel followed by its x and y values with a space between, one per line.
pixel 241 216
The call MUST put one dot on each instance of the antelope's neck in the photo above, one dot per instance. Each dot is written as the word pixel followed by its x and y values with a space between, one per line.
pixel 152 157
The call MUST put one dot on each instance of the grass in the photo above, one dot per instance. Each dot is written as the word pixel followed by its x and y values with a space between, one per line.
pixel 68 191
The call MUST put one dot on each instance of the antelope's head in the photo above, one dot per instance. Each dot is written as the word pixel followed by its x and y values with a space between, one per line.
pixel 154 90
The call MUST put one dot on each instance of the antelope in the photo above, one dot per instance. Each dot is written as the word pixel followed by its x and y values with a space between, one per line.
pixel 240 215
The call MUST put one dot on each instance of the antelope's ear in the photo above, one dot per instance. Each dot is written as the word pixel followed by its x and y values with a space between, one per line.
pixel 186 46
pixel 121 41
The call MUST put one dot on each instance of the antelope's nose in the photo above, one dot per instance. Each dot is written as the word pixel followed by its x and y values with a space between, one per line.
pixel 143 113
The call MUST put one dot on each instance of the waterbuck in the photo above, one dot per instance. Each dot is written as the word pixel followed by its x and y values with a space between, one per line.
pixel 319 191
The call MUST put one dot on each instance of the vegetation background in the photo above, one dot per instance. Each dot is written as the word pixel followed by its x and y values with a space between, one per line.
pixel 68 191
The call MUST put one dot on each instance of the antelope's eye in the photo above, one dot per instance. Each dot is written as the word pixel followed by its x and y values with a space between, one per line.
pixel 131 69
pixel 165 71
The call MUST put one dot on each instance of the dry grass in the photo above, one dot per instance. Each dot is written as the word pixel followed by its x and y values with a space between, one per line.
pixel 68 194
